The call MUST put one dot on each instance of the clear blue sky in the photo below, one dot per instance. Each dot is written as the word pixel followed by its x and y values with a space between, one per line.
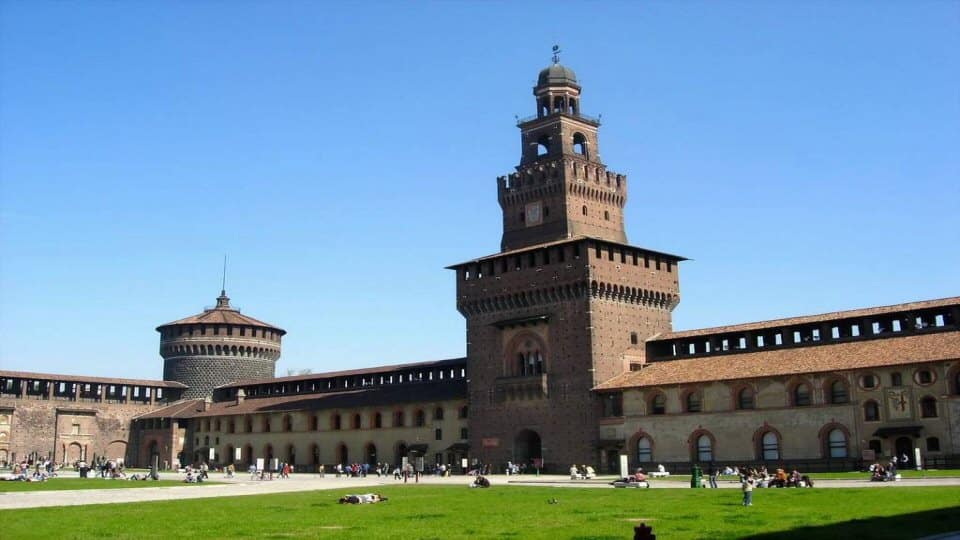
pixel 804 155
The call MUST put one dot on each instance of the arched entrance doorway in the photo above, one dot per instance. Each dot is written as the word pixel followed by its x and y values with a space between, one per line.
pixel 904 447
pixel 343 456
pixel 527 447
pixel 401 452
pixel 371 454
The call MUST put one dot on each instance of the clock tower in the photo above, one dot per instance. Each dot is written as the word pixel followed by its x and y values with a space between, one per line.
pixel 561 189
pixel 566 304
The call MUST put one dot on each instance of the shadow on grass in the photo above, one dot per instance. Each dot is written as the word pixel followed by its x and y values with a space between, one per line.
pixel 916 525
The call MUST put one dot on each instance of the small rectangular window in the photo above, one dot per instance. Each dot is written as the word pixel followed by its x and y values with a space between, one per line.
pixel 438 434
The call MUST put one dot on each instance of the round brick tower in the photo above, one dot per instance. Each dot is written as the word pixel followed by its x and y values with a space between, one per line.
pixel 217 347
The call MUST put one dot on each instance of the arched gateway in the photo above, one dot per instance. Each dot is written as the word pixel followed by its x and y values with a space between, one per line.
pixel 527 447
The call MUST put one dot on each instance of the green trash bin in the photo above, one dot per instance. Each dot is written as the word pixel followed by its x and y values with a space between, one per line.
pixel 696 475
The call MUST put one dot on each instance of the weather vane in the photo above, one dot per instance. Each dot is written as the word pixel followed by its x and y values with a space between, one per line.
pixel 556 54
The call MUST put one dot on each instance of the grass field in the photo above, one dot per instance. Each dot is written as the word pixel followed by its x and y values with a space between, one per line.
pixel 430 512
pixel 57 484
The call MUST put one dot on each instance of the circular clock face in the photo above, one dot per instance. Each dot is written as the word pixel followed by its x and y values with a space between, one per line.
pixel 533 213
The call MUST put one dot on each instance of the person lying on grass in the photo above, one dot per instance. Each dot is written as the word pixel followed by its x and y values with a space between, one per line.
pixel 365 498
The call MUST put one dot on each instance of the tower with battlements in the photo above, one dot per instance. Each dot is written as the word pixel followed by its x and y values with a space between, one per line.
pixel 567 304
pixel 218 347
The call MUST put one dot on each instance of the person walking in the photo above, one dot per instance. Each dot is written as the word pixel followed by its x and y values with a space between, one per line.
pixel 714 473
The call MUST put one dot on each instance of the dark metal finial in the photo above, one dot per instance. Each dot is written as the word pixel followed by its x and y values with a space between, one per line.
pixel 556 54
pixel 223 281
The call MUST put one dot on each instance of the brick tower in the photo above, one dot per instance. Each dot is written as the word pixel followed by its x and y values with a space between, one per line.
pixel 566 304
pixel 217 347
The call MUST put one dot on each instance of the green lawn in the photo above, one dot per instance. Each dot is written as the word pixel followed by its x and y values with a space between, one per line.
pixel 58 484
pixel 510 511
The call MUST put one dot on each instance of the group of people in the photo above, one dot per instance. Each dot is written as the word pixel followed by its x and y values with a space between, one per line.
pixel 196 475
pixel 879 473
pixel 762 478
pixel 20 472
pixel 582 472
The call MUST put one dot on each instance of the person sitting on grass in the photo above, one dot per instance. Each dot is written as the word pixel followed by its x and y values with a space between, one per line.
pixel 879 474
pixel 480 482
pixel 639 476
pixel 794 479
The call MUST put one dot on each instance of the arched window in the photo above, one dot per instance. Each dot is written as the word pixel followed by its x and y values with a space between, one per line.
pixel 248 424
pixel 335 422
pixel 928 407
pixel 377 420
pixel 837 443
pixel 356 421
pixel 231 426
pixel 313 422
pixel 266 424
pixel 579 144
pixel 287 423
pixel 584 210
pixel 543 145
pixel 923 377
pixel 528 356
pixel 658 405
pixel 398 419
pixel 801 395
pixel 745 398
pixel 558 104
pixel 704 449
pixel 606 215
pixel 838 392
pixel 644 450
pixel 419 418
pixel 462 412
pixel 770 447
pixel 871 411
pixel 693 402
pixel 438 413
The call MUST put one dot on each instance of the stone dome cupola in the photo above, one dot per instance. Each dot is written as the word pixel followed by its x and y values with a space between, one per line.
pixel 218 347
pixel 557 90
pixel 557 75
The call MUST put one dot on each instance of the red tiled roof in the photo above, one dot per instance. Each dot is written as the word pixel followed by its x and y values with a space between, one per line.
pixel 186 408
pixel 223 314
pixel 349 372
pixel 775 323
pixel 915 349
pixel 84 379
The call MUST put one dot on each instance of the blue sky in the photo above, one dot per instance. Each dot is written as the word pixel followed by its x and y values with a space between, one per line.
pixel 803 154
